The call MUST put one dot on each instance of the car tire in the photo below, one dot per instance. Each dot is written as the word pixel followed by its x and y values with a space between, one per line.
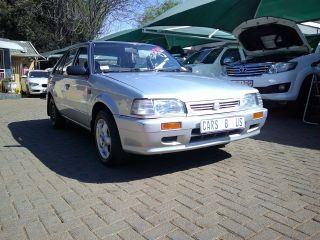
pixel 27 92
pixel 57 120
pixel 107 140
pixel 301 101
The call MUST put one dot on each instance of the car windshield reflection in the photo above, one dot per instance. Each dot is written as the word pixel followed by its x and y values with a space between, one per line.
pixel 114 57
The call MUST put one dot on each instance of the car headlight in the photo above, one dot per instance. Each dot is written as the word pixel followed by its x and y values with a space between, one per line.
pixel 158 107
pixel 32 84
pixel 224 71
pixel 251 100
pixel 282 67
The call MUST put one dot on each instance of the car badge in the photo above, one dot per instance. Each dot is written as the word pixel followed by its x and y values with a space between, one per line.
pixel 243 69
pixel 216 106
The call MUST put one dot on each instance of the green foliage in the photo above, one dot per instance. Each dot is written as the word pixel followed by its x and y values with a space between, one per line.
pixel 54 24
pixel 151 13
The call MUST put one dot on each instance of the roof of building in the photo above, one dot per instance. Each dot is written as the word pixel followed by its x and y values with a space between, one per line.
pixel 28 49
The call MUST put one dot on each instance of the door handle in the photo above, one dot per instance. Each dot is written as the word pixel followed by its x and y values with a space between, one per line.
pixel 67 86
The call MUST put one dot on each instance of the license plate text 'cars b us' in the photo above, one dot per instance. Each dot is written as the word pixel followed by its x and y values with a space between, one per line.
pixel 221 124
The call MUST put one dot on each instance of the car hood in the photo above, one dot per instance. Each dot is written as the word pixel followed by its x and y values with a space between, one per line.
pixel 269 35
pixel 38 80
pixel 183 86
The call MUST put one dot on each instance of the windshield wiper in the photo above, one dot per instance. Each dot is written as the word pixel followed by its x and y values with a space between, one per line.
pixel 171 70
pixel 128 70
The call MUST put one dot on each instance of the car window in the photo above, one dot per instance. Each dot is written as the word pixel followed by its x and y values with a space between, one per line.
pixel 82 57
pixel 197 57
pixel 69 60
pixel 231 53
pixel 33 74
pixel 212 56
pixel 58 69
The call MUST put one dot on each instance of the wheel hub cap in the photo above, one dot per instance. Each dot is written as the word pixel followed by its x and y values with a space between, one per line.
pixel 103 138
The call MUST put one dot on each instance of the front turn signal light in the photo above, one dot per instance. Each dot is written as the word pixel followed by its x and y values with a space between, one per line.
pixel 258 115
pixel 170 126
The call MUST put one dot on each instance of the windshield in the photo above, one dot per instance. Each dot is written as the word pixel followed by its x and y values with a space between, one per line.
pixel 120 57
pixel 197 57
pixel 39 74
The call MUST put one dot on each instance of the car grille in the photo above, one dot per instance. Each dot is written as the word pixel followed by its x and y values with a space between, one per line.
pixel 44 85
pixel 214 105
pixel 247 70
pixel 196 136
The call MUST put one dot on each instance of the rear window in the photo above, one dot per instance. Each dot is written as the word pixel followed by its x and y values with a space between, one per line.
pixel 39 74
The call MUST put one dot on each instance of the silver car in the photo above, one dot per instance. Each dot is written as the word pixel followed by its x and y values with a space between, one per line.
pixel 136 98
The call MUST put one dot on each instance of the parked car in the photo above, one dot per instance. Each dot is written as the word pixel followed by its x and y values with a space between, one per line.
pixel 137 98
pixel 209 61
pixel 278 59
pixel 35 82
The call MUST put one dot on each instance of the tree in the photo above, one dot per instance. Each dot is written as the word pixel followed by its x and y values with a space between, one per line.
pixel 152 12
pixel 54 24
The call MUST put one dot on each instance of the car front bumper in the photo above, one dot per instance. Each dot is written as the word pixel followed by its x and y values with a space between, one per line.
pixel 37 89
pixel 144 136
pixel 271 81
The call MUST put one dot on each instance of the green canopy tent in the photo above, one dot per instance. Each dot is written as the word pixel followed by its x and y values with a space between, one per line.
pixel 228 14
pixel 167 36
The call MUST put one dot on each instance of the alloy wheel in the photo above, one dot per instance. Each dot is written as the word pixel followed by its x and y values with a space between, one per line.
pixel 103 138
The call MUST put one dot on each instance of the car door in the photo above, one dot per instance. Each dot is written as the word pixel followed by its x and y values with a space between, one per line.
pixel 60 82
pixel 79 90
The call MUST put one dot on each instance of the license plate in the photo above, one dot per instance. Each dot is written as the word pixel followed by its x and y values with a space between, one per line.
pixel 244 82
pixel 221 124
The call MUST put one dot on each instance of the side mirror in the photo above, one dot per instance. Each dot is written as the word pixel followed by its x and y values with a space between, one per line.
pixel 228 60
pixel 188 68
pixel 77 70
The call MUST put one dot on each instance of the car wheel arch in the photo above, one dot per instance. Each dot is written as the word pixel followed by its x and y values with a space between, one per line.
pixel 97 107
pixel 49 96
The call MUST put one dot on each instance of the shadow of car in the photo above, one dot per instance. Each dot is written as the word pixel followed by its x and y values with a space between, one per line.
pixel 71 153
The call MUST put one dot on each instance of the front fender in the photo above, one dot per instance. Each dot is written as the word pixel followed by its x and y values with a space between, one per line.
pixel 108 101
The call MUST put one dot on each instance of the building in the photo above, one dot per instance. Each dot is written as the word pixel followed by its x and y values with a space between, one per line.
pixel 16 59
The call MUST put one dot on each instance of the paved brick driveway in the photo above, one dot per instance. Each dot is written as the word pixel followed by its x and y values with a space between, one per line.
pixel 52 185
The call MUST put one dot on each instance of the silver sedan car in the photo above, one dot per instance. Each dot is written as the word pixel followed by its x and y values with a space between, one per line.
pixel 136 98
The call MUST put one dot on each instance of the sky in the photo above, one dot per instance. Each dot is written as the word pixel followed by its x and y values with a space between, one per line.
pixel 124 25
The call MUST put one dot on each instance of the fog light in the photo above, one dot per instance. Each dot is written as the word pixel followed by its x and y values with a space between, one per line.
pixel 282 87
pixel 170 126
pixel 258 115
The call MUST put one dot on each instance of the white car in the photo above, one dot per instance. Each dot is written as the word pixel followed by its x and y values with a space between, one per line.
pixel 209 62
pixel 35 82
pixel 278 59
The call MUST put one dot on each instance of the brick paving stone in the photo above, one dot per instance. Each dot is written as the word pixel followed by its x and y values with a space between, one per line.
pixel 210 233
pixel 179 235
pixel 61 236
pixel 159 231
pixel 93 222
pixel 52 185
pixel 289 232
pixel 186 225
pixel 236 228
pixel 130 234
pixel 311 227
pixel 35 230
pixel 266 234
pixel 111 229
pixel 82 233
pixel 315 237
pixel 138 224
